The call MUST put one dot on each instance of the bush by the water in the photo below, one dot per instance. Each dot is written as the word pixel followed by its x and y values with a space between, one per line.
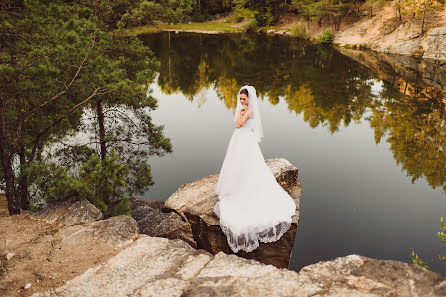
pixel 326 37
pixel 263 18
pixel 250 26
pixel 299 30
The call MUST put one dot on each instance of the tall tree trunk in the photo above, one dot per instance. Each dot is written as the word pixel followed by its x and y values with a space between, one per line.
pixel 100 113
pixel 6 156
pixel 3 5
pixel 96 8
pixel 22 191
pixel 424 14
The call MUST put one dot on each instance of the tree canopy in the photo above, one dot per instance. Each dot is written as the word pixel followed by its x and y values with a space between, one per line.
pixel 60 58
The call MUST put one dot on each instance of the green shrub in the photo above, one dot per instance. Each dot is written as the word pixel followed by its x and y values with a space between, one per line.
pixel 263 18
pixel 299 30
pixel 326 37
pixel 417 261
pixel 250 26
pixel 102 182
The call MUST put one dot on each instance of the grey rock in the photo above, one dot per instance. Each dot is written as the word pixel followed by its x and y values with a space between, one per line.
pixel 153 221
pixel 227 275
pixel 408 47
pixel 70 211
pixel 154 266
pixel 55 210
pixel 117 231
pixel 195 202
pixel 403 71
pixel 9 256
pixel 435 44
pixel 80 212
pixel 362 31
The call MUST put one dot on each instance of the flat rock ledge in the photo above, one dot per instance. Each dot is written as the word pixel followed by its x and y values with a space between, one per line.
pixel 194 202
pixel 155 266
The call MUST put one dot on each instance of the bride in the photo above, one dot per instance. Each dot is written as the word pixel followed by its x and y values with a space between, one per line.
pixel 251 205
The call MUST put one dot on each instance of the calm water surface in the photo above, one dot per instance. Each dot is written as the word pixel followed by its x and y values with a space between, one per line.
pixel 371 160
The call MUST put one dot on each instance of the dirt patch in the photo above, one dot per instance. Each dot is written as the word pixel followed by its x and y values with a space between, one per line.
pixel 31 252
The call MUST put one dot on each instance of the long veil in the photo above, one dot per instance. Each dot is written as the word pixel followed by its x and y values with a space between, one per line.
pixel 252 206
pixel 253 102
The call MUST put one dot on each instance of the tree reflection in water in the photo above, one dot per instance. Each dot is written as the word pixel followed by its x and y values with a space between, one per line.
pixel 328 88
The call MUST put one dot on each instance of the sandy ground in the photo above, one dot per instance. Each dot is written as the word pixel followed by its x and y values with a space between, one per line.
pixel 38 255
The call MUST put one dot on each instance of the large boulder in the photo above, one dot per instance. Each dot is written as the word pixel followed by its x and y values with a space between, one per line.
pixel 117 231
pixel 195 201
pixel 70 211
pixel 154 266
pixel 153 221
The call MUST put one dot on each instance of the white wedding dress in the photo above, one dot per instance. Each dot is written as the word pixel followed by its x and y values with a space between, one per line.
pixel 252 206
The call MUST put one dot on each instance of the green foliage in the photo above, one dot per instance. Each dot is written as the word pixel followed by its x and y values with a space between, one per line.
pixel 373 4
pixel 442 236
pixel 417 261
pixel 241 11
pixel 146 13
pixel 263 18
pixel 311 10
pixel 102 182
pixel 299 30
pixel 250 25
pixel 326 37
pixel 170 11
pixel 60 60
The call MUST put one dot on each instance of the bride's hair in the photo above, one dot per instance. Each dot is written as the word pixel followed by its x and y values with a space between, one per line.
pixel 244 91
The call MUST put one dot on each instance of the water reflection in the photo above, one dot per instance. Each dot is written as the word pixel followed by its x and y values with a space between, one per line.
pixel 318 82
pixel 343 121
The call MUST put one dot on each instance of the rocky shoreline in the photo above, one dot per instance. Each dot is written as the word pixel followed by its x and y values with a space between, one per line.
pixel 68 249
pixel 432 47
pixel 381 33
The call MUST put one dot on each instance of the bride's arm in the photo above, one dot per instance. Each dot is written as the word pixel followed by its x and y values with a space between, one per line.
pixel 242 120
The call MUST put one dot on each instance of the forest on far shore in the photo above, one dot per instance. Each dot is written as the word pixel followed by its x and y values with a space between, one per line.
pixel 262 13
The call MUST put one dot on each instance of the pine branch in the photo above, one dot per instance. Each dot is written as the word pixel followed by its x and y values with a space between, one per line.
pixel 64 91
pixel 58 120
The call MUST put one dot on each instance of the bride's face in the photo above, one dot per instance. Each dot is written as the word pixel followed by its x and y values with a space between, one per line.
pixel 244 99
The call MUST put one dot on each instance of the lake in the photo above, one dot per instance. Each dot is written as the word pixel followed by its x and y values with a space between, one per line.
pixel 368 141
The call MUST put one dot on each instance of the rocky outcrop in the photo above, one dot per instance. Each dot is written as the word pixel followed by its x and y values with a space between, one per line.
pixel 153 221
pixel 155 266
pixel 109 258
pixel 431 47
pixel 152 266
pixel 116 231
pixel 195 201
pixel 385 33
pixel 70 211
pixel 36 255
pixel 408 74
pixel 435 45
